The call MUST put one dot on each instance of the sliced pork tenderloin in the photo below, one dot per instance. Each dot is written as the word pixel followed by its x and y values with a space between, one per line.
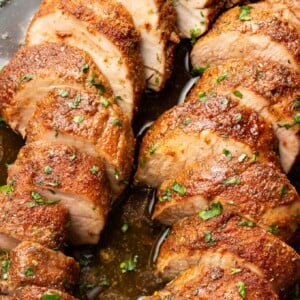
pixel 106 31
pixel 27 216
pixel 38 293
pixel 200 130
pixel 250 32
pixel 32 264
pixel 156 21
pixel 216 277
pixel 202 236
pixel 90 123
pixel 63 173
pixel 259 192
pixel 270 89
pixel 35 70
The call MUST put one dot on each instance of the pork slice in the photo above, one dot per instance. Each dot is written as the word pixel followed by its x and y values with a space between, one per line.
pixel 220 273
pixel 195 18
pixel 200 130
pixel 193 239
pixel 263 35
pixel 63 173
pixel 266 87
pixel 24 217
pixel 90 123
pixel 257 191
pixel 34 70
pixel 105 30
pixel 36 293
pixel 33 264
pixel 156 21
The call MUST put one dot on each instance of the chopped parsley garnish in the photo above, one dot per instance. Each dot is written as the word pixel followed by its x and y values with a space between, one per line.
pixel 94 169
pixel 242 289
pixel 8 188
pixel 235 271
pixel 50 296
pixel 178 188
pixel 26 77
pixel 296 103
pixel 260 75
pixel 288 126
pixel 40 201
pixel 216 210
pixel 246 223
pixel 63 93
pixel 78 119
pixel 117 122
pixel 232 180
pixel 74 104
pixel 228 154
pixel 104 102
pixel 97 85
pixel 222 77
pixel 124 227
pixel 274 229
pixel 238 118
pixel 245 13
pixel 202 96
pixel 129 265
pixel 198 71
pixel 153 149
pixel 29 272
pixel 5 265
pixel 167 196
pixel 238 94
pixel 72 157
pixel 85 67
pixel 208 238
pixel 47 170
pixel 194 33
pixel 282 190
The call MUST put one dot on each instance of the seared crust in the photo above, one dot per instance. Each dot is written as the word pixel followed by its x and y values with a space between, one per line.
pixel 263 194
pixel 262 23
pixel 34 67
pixel 24 219
pixel 217 114
pixel 110 19
pixel 43 166
pixel 36 293
pixel 50 269
pixel 96 126
pixel 212 282
pixel 277 262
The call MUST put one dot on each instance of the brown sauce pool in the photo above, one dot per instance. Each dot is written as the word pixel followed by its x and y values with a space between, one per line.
pixel 130 238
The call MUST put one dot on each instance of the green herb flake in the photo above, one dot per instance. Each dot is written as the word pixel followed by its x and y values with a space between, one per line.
pixel 242 289
pixel 178 188
pixel 234 271
pixel 47 170
pixel 40 201
pixel 103 101
pixel 129 265
pixel 97 85
pixel 85 67
pixel 238 94
pixel 228 154
pixel 296 103
pixel 5 265
pixel 26 77
pixel 118 98
pixel 282 190
pixel 117 174
pixel 50 296
pixel 167 196
pixel 238 118
pixel 74 104
pixel 195 33
pixel 198 71
pixel 153 148
pixel 202 96
pixel 232 180
pixel 125 227
pixel 260 75
pixel 8 188
pixel 72 157
pixel 295 122
pixel 94 169
pixel 245 13
pixel 63 93
pixel 274 229
pixel 28 272
pixel 117 122
pixel 246 223
pixel 222 77
pixel 78 119
pixel 216 210
pixel 157 80
pixel 208 238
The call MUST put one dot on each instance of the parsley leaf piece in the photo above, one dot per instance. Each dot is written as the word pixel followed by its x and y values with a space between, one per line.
pixel 178 188
pixel 245 13
pixel 129 264
pixel 216 210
